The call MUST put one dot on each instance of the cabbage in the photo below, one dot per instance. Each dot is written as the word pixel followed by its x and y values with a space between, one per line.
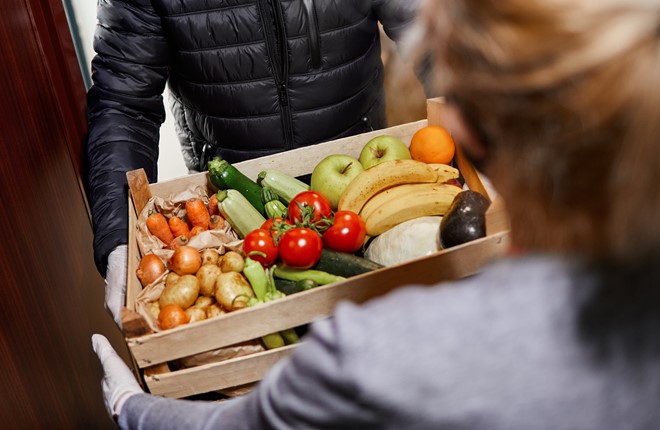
pixel 407 241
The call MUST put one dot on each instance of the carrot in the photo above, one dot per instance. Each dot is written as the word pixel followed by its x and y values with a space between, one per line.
pixel 196 230
pixel 197 213
pixel 178 226
pixel 217 221
pixel 157 225
pixel 213 205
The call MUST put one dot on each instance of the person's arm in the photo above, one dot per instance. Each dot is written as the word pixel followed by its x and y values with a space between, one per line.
pixel 315 387
pixel 125 111
pixel 396 16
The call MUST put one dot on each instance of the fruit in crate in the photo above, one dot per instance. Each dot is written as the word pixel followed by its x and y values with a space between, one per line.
pixel 332 175
pixel 432 144
pixel 405 202
pixel 382 176
pixel 383 148
pixel 465 219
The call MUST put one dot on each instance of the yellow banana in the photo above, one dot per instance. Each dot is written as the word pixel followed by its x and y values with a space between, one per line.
pixel 444 171
pixel 380 177
pixel 396 192
pixel 413 201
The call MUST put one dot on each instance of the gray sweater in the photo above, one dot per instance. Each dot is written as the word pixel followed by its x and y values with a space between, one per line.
pixel 508 349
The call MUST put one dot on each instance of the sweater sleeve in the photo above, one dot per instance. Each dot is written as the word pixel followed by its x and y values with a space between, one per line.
pixel 125 111
pixel 313 388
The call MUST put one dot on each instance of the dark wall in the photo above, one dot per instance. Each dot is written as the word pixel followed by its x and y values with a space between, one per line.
pixel 51 297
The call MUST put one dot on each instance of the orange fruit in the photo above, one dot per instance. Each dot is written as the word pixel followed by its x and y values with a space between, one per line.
pixel 432 144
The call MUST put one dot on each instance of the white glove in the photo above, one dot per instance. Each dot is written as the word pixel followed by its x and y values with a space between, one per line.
pixel 118 383
pixel 115 282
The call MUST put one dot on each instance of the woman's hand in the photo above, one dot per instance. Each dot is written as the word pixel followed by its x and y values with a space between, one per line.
pixel 118 383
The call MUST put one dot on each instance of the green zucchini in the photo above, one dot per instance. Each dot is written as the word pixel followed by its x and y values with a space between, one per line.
pixel 273 206
pixel 282 184
pixel 344 264
pixel 239 213
pixel 225 176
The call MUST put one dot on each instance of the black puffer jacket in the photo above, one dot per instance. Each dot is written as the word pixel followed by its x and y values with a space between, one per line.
pixel 248 78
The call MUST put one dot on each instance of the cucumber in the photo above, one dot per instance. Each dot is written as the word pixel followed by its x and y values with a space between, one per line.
pixel 282 184
pixel 344 264
pixel 239 213
pixel 291 287
pixel 225 176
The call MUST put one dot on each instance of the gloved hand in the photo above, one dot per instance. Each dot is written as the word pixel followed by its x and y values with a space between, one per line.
pixel 115 282
pixel 118 383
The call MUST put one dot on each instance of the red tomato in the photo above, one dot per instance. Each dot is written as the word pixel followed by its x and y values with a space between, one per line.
pixel 346 234
pixel 260 241
pixel 319 208
pixel 276 225
pixel 300 247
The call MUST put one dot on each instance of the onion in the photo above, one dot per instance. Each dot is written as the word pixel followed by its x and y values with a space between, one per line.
pixel 185 260
pixel 171 316
pixel 150 269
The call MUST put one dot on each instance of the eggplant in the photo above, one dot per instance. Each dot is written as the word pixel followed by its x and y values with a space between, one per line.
pixel 465 220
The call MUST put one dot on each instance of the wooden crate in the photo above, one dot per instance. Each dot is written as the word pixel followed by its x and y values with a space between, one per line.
pixel 152 351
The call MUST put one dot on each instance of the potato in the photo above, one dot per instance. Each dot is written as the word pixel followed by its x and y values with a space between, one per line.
pixel 233 291
pixel 196 313
pixel 214 310
pixel 203 301
pixel 210 256
pixel 232 261
pixel 183 292
pixel 171 278
pixel 154 309
pixel 206 275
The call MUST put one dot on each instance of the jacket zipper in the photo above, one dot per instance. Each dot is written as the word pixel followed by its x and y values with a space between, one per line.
pixel 278 54
pixel 314 35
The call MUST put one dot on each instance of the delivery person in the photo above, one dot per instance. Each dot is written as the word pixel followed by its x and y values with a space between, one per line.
pixel 556 100
pixel 247 79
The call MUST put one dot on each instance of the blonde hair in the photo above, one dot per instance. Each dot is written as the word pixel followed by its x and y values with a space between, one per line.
pixel 568 93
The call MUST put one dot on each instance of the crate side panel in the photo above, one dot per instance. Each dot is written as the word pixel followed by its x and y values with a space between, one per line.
pixel 304 307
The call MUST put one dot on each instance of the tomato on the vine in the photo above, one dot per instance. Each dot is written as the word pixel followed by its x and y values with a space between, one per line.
pixel 300 247
pixel 276 226
pixel 319 207
pixel 347 232
pixel 260 246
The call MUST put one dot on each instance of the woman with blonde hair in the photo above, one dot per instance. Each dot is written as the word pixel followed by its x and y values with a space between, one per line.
pixel 556 101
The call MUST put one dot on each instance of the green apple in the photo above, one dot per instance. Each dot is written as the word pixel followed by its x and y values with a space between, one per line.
pixel 383 148
pixel 332 175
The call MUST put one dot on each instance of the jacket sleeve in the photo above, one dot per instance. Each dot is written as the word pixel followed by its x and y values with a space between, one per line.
pixel 125 111
pixel 396 16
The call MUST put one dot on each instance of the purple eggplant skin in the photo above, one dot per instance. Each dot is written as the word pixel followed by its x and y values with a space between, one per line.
pixel 465 220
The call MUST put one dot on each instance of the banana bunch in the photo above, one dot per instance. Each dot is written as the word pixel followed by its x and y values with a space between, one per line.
pixel 392 192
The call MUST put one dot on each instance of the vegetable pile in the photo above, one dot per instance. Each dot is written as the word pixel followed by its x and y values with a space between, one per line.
pixel 292 237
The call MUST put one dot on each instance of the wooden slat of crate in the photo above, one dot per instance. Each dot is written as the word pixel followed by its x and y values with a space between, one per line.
pixel 303 307
pixel 229 373
pixel 301 161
